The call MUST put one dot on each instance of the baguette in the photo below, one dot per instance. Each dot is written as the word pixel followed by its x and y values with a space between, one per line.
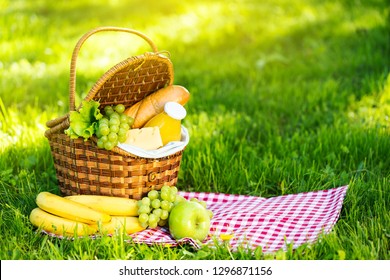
pixel 153 104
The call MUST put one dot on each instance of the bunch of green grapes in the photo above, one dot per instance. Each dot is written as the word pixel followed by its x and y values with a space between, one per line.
pixel 154 208
pixel 113 127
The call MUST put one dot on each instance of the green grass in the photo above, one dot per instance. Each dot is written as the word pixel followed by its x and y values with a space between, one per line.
pixel 287 97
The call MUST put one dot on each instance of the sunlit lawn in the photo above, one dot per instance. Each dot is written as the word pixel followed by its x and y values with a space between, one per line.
pixel 286 97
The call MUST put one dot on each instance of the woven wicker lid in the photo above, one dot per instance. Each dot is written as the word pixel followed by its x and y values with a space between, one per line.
pixel 128 81
pixel 132 80
pixel 125 83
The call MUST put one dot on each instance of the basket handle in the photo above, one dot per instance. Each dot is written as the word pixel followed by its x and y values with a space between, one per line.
pixel 72 78
pixel 62 122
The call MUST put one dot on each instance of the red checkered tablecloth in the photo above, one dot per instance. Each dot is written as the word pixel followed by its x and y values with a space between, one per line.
pixel 251 221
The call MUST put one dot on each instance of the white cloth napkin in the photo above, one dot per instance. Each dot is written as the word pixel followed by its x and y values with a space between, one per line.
pixel 167 150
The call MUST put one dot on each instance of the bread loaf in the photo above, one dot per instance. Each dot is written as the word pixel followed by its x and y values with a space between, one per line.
pixel 153 104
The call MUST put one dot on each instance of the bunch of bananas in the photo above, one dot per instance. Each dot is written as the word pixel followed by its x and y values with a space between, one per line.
pixel 82 215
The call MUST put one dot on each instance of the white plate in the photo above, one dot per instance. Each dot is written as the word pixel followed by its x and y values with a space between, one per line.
pixel 167 150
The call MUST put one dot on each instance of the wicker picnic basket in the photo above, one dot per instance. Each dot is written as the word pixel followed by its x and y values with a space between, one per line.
pixel 83 168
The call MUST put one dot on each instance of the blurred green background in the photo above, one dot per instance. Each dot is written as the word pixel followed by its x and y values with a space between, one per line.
pixel 236 43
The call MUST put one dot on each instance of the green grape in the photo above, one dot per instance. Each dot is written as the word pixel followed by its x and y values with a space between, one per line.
pixel 104 138
pixel 153 219
pixel 143 218
pixel 178 199
pixel 124 119
pixel 104 130
pixel 100 143
pixel 115 143
pixel 112 137
pixel 114 128
pixel 109 145
pixel 131 121
pixel 124 126
pixel 165 205
pixel 139 203
pixel 153 225
pixel 115 115
pixel 144 209
pixel 162 222
pixel 114 121
pixel 172 197
pixel 164 214
pixel 103 120
pixel 122 131
pixel 153 194
pixel 122 139
pixel 145 201
pixel 165 188
pixel 164 195
pixel 156 203
pixel 159 207
pixel 173 190
pixel 120 108
pixel 157 212
pixel 108 110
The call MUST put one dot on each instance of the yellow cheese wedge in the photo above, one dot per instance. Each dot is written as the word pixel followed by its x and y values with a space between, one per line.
pixel 147 138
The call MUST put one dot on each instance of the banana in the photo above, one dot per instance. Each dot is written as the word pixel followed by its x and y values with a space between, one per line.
pixel 58 225
pixel 116 206
pixel 119 223
pixel 69 209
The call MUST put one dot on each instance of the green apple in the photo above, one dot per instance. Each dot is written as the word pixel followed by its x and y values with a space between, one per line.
pixel 189 219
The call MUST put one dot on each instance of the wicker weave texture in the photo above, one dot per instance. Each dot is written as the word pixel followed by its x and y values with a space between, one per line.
pixel 132 80
pixel 83 168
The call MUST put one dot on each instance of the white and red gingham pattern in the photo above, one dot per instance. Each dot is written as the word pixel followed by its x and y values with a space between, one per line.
pixel 271 223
